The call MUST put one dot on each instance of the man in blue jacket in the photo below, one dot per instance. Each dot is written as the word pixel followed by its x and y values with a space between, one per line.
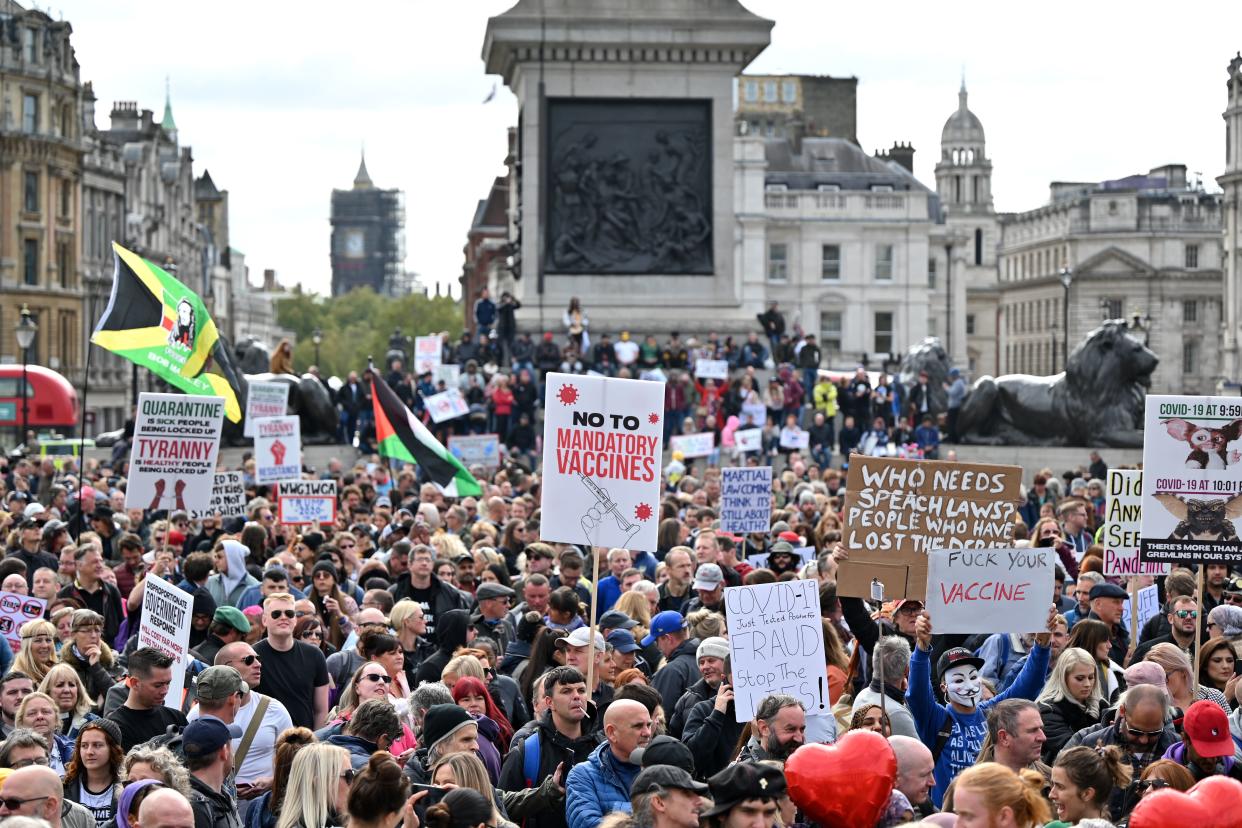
pixel 955 733
pixel 602 783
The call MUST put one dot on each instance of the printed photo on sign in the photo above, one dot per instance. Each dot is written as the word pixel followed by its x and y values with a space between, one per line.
pixel 990 590
pixel 228 497
pixel 748 439
pixel 802 554
pixel 173 455
pixel 277 450
pixel 746 499
pixel 601 462
pixel 447 405
pixel 1123 504
pixel 1192 480
pixel 16 610
pixel 265 399
pixel 307 502
pixel 694 445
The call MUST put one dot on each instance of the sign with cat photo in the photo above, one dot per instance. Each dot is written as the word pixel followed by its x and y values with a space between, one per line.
pixel 1192 480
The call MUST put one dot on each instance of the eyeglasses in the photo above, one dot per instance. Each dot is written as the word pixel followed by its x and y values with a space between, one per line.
pixel 38 639
pixel 348 776
pixel 378 678
pixel 1153 784
pixel 12 803
pixel 248 660
pixel 25 763
pixel 89 630
pixel 1187 614
pixel 284 614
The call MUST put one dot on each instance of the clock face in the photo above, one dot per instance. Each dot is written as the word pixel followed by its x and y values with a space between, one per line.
pixel 354 243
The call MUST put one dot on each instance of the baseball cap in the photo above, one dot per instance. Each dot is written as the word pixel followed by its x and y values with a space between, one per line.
pixel 233 525
pixel 580 638
pixel 956 657
pixel 709 577
pixel 1207 728
pixel 664 750
pixel 616 620
pixel 659 777
pixel 233 617
pixel 220 682
pixel 1107 590
pixel 623 642
pixel 203 737
pixel 664 623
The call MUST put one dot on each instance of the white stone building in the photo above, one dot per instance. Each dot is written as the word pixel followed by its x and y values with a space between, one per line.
pixel 1231 182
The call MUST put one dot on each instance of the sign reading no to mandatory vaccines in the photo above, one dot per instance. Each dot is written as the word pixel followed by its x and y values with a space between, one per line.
pixel 172 460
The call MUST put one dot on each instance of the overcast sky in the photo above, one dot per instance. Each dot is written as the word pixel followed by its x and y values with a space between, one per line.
pixel 277 98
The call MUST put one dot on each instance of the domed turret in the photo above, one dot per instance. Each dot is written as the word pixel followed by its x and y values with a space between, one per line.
pixel 963 126
pixel 964 174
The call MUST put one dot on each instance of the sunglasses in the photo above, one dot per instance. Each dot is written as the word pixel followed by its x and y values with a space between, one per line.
pixel 1187 613
pixel 1150 734
pixel 349 775
pixel 378 678
pixel 12 803
pixel 313 634
pixel 1153 784
pixel 248 660
pixel 284 614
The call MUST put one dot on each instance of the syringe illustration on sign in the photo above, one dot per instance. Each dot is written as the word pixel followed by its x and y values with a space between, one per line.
pixel 594 518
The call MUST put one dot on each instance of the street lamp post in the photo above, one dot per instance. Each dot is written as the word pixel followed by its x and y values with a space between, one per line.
pixel 316 337
pixel 1052 333
pixel 1067 279
pixel 26 330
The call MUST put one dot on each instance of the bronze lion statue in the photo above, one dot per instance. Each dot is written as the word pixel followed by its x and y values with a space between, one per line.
pixel 929 356
pixel 1096 401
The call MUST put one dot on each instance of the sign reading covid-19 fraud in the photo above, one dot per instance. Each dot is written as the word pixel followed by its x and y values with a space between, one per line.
pixel 265 399
pixel 1192 480
pixel 1123 504
pixel 990 590
pixel 776 645
pixel 228 497
pixel 167 613
pixel 746 499
pixel 277 450
pixel 307 502
pixel 602 441
pixel 896 511
pixel 172 460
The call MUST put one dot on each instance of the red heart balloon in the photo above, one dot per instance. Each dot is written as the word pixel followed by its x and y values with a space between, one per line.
pixel 843 785
pixel 1214 802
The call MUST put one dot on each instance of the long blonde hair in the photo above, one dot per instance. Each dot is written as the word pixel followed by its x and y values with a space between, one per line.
pixel 634 604
pixel 310 795
pixel 1000 787
pixel 54 675
pixel 468 772
pixel 24 661
pixel 1057 689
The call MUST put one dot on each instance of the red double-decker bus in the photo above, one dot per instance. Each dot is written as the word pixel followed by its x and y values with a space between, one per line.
pixel 52 404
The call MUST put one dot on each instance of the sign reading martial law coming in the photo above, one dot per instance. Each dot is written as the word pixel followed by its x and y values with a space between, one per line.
pixel 601 462
pixel 172 461
pixel 746 499
pixel 167 613
pixel 277 450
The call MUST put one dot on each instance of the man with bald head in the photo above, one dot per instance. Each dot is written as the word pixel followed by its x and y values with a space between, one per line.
pixel 165 808
pixel 38 792
pixel 342 665
pixel 915 772
pixel 254 777
pixel 602 783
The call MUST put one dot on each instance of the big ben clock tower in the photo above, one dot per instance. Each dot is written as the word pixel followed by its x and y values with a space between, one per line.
pixel 368 247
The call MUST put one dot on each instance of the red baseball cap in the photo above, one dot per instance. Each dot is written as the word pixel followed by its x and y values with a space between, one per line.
pixel 792 537
pixel 1207 728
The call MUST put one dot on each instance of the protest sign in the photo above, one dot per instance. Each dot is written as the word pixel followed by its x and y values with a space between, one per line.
pixel 803 554
pixel 602 442
pixel 446 405
pixel 277 450
pixel 476 449
pixel 1148 605
pixel 228 497
pixel 989 590
pixel 795 438
pixel 172 460
pixel 167 613
pixel 653 375
pixel 265 399
pixel 448 374
pixel 307 501
pixel 717 369
pixel 896 511
pixel 746 499
pixel 16 610
pixel 426 353
pixel 776 645
pixel 754 414
pixel 1192 481
pixel 1123 501
pixel 749 439
pixel 694 445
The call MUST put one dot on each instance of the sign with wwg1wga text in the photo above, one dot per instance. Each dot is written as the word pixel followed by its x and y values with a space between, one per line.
pixel 1192 480
pixel 277 450
pixel 228 497
pixel 16 610
pixel 166 617
pixel 172 461
pixel 746 499
pixel 307 501
pixel 776 645
pixel 896 511
pixel 265 399
pixel 990 590
pixel 1122 508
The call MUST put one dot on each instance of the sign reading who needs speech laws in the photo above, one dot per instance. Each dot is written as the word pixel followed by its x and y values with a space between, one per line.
pixel 307 502
pixel 172 461
pixel 602 441
pixel 167 613
pixel 277 450
pixel 265 399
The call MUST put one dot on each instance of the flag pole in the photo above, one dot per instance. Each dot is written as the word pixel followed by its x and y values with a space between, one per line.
pixel 594 610
pixel 86 389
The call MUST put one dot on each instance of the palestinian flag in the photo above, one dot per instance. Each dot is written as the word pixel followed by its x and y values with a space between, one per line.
pixel 157 322
pixel 402 436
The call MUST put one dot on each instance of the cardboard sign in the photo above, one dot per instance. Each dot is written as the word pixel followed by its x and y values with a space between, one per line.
pixel 1122 507
pixel 307 501
pixel 265 399
pixel 749 439
pixel 446 405
pixel 717 369
pixel 427 351
pixel 1148 607
pixel 693 445
pixel 450 374
pixel 1192 481
pixel 602 441
pixel 228 497
pixel 172 461
pixel 795 439
pixel 277 450
pixel 990 590
pixel 776 645
pixel 896 511
pixel 805 555
pixel 16 610
pixel 746 499
pixel 167 613
pixel 476 449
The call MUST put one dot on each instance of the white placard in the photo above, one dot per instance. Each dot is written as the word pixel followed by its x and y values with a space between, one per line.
pixel 307 501
pixel 167 613
pixel 446 405
pixel 450 374
pixel 277 450
pixel 265 399
pixel 427 351
pixel 601 461
pixel 776 645
pixel 746 499
pixel 795 438
pixel 1148 604
pixel 694 445
pixel 16 610
pixel 228 497
pixel 989 590
pixel 476 449
pixel 1122 508
pixel 749 439
pixel 717 369
pixel 172 461
pixel 754 414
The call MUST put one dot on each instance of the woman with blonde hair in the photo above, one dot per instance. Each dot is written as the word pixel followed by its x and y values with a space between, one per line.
pixel 1071 699
pixel 992 794
pixel 465 770
pixel 318 788
pixel 38 651
pixel 63 684
pixel 448 546
pixel 88 654
pixel 37 712
pixel 704 623
pixel 638 608
pixel 1179 681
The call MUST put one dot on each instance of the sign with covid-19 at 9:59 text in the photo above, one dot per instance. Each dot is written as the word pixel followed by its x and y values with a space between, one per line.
pixel 172 460
pixel 602 441
pixel 307 501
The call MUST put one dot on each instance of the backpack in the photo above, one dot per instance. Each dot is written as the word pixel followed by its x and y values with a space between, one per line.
pixel 942 737
pixel 531 748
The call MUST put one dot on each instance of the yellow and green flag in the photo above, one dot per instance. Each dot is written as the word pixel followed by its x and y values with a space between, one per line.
pixel 156 322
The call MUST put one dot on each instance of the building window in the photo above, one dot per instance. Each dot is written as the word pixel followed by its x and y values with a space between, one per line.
pixel 752 90
pixel 30 261
pixel 883 262
pixel 884 332
pixel 29 41
pixel 66 197
pixel 30 113
pixel 769 91
pixel 978 245
pixel 789 91
pixel 830 331
pixel 970 324
pixel 830 263
pixel 1112 308
pixel 931 273
pixel 1192 256
pixel 778 262
pixel 933 326
pixel 30 192
pixel 64 264
pixel 1190 356
pixel 1190 310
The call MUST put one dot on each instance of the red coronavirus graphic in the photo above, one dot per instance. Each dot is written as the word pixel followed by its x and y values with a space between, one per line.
pixel 653 418
pixel 568 395
pixel 642 511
